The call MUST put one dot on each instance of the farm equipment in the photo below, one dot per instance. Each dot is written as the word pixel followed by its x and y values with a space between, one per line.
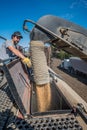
pixel 42 100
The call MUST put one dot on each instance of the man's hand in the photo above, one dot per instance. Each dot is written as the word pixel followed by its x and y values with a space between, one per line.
pixel 27 62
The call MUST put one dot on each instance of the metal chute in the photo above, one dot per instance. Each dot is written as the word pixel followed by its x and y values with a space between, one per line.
pixel 60 33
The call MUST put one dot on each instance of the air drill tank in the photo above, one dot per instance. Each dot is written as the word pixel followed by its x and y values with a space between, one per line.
pixel 41 100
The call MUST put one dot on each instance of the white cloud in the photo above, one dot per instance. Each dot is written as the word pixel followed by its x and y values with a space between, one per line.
pixel 84 2
pixel 67 16
pixel 73 5
pixel 78 4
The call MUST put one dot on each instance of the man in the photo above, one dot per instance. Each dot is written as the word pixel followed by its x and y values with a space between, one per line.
pixel 8 49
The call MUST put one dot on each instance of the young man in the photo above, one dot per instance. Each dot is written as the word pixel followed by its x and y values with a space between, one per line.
pixel 8 49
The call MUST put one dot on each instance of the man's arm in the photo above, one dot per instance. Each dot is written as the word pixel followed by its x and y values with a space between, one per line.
pixel 24 59
pixel 16 52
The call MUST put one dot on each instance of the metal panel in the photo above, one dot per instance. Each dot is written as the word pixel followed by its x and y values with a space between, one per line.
pixel 19 85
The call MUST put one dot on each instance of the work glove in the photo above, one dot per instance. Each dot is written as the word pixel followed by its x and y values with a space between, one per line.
pixel 27 62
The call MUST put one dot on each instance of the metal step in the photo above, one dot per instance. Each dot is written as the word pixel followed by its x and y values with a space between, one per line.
pixel 5 107
pixel 46 123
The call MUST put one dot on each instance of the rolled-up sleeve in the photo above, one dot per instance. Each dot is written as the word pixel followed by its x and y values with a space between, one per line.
pixel 9 43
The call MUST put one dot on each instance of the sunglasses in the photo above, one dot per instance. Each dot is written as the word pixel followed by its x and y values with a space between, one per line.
pixel 18 37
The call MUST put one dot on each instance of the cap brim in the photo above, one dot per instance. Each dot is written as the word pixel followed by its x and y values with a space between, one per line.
pixel 20 36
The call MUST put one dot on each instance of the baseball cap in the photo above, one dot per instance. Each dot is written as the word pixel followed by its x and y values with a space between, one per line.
pixel 17 33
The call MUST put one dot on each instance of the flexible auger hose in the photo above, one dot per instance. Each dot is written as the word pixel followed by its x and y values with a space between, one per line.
pixel 41 75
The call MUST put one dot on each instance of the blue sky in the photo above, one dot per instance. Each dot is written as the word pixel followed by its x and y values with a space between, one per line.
pixel 14 12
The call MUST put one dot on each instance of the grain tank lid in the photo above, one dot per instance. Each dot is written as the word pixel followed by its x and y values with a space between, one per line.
pixel 19 85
